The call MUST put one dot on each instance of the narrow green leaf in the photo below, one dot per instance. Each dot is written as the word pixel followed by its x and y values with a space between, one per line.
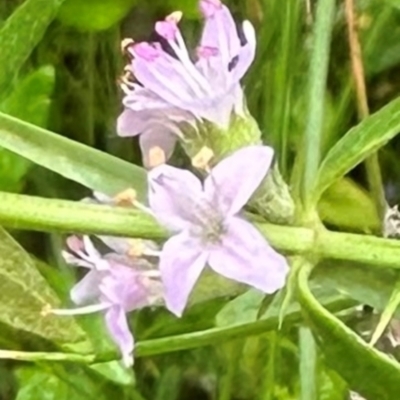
pixel 290 288
pixel 367 371
pixel 387 314
pixel 357 144
pixel 92 168
pixel 23 295
pixel 21 33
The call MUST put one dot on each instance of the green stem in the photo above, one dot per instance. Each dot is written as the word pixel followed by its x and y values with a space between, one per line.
pixel 185 341
pixel 220 335
pixel 42 214
pixel 308 364
pixel 317 76
pixel 35 213
pixel 267 391
pixel 45 356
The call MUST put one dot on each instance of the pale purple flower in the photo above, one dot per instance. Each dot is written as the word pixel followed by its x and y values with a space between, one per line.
pixel 209 229
pixel 113 287
pixel 172 89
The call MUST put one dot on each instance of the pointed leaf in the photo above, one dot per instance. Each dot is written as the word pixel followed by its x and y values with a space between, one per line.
pixel 90 167
pixel 387 314
pixel 357 144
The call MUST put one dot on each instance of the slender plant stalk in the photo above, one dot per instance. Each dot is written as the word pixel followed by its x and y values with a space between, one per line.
pixel 373 170
pixel 180 342
pixel 308 364
pixel 48 215
pixel 317 76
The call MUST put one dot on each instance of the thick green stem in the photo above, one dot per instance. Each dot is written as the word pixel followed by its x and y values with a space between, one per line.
pixel 316 94
pixel 35 213
pixel 308 364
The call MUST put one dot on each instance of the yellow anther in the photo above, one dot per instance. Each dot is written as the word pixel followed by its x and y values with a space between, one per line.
pixel 175 17
pixel 202 159
pixel 156 156
pixel 46 310
pixel 136 248
pixel 125 43
pixel 126 198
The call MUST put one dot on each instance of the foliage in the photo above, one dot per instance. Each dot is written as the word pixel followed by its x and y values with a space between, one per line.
pixel 59 103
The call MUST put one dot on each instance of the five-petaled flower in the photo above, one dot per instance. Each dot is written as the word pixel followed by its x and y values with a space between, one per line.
pixel 172 88
pixel 115 284
pixel 209 229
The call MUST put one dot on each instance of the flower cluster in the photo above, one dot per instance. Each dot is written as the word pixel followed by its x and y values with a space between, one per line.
pixel 172 88
pixel 116 283
pixel 204 216
pixel 207 228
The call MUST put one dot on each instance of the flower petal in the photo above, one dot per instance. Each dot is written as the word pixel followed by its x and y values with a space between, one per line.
pixel 246 53
pixel 87 289
pixel 129 123
pixel 172 194
pixel 220 31
pixel 177 90
pixel 118 327
pixel 235 178
pixel 181 262
pixel 122 286
pixel 245 256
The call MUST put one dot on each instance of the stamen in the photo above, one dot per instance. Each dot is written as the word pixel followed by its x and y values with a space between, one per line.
pixel 174 17
pixel 136 248
pixel 125 43
pixel 151 253
pixel 152 274
pixel 47 310
pixel 202 159
pixel 196 78
pixel 126 198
